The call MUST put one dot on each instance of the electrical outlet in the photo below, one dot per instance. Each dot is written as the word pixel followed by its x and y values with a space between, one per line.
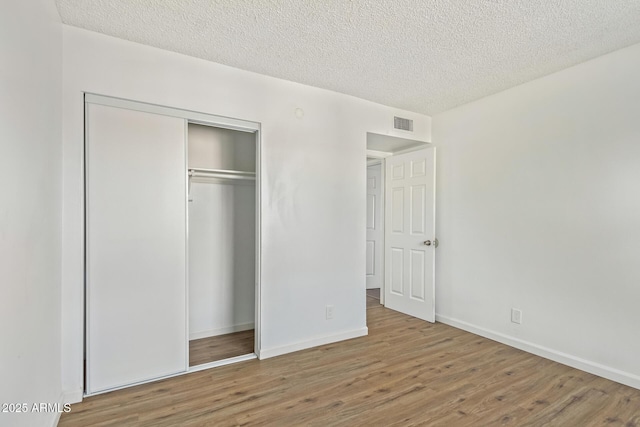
pixel 516 316
pixel 330 310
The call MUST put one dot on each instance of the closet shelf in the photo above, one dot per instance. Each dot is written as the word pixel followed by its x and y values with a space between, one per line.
pixel 222 174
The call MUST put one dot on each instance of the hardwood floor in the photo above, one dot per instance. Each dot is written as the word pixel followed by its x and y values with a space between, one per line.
pixel 406 372
pixel 372 302
pixel 221 347
pixel 374 293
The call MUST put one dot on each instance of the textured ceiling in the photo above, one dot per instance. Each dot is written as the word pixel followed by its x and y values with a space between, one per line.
pixel 420 55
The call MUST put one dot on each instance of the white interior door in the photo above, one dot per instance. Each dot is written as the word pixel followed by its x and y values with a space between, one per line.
pixel 410 233
pixel 136 247
pixel 375 227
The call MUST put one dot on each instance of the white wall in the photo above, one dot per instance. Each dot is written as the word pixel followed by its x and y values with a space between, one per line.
pixel 222 256
pixel 539 209
pixel 313 182
pixel 30 207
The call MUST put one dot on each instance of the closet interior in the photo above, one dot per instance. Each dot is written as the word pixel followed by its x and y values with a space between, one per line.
pixel 221 233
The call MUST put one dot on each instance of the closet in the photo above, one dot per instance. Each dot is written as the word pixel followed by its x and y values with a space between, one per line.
pixel 222 198
pixel 170 241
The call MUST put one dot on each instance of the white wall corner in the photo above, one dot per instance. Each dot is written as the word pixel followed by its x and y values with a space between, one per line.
pixel 594 368
pixel 318 341
pixel 56 419
pixel 56 415
pixel 72 396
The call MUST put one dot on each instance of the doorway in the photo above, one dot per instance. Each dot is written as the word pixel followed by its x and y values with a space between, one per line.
pixel 400 235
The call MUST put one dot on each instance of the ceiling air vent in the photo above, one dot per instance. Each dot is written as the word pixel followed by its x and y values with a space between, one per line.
pixel 403 124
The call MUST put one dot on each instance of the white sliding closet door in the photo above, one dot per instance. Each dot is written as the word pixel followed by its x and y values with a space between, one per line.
pixel 136 247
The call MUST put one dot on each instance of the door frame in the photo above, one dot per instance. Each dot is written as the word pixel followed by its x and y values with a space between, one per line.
pixel 196 118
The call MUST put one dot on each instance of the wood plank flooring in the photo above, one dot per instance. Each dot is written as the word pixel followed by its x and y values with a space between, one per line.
pixel 374 293
pixel 220 347
pixel 372 302
pixel 406 372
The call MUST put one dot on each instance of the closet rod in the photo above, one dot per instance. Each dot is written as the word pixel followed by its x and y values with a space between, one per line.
pixel 220 173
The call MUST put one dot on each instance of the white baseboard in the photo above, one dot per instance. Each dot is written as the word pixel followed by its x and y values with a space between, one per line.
pixel 594 368
pixel 303 345
pixel 56 419
pixel 221 331
pixel 57 414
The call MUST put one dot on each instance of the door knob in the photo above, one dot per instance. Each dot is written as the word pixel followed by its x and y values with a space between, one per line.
pixel 427 242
